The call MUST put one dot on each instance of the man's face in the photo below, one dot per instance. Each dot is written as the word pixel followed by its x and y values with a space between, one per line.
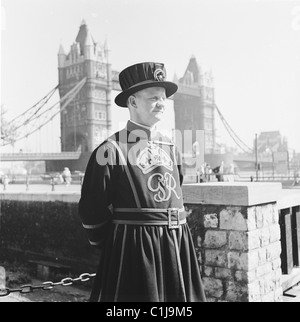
pixel 150 105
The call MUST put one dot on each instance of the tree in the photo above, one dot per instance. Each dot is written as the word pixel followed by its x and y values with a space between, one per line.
pixel 8 131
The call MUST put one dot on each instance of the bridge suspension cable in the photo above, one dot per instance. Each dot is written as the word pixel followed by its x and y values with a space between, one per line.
pixel 29 123
pixel 43 101
pixel 233 135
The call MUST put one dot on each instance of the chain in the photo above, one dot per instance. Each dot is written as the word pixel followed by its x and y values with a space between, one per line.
pixel 46 286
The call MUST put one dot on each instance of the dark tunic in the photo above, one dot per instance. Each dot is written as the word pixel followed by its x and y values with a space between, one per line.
pixel 139 262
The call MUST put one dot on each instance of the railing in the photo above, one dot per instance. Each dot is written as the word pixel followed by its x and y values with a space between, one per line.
pixel 290 238
pixel 289 220
pixel 51 179
pixel 286 180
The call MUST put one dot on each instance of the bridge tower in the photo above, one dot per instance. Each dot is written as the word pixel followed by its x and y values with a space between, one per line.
pixel 86 120
pixel 194 104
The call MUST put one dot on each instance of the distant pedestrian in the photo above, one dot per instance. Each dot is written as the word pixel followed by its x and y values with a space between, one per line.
pixel 207 172
pixel 297 179
pixel 231 175
pixel 200 174
pixel 219 172
pixel 5 180
pixel 67 177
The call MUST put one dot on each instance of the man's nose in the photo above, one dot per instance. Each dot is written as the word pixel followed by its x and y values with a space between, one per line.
pixel 161 102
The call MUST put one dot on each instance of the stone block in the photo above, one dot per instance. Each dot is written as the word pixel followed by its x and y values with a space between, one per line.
pixel 215 258
pixel 274 233
pixel 262 256
pixel 213 287
pixel 268 211
pixel 243 276
pixel 276 264
pixel 270 297
pixel 278 295
pixel 254 290
pixel 223 273
pixel 211 221
pixel 232 219
pixel 275 214
pixel 254 239
pixel 253 259
pixel 236 292
pixel 238 241
pixel 269 283
pixel 278 277
pixel 209 271
pixel 251 218
pixel 273 251
pixel 264 269
pixel 265 237
pixel 238 261
pixel 2 278
pixel 259 217
pixel 215 239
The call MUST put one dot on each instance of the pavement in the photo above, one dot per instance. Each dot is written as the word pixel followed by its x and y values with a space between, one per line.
pixel 13 298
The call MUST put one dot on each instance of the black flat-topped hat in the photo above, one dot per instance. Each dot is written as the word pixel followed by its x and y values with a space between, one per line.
pixel 140 76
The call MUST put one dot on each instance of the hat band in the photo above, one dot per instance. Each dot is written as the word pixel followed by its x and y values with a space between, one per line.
pixel 144 83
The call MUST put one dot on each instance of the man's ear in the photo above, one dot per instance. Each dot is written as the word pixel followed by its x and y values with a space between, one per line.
pixel 132 101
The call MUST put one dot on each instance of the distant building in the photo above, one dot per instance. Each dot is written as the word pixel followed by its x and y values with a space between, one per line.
pixel 270 142
pixel 194 104
pixel 87 118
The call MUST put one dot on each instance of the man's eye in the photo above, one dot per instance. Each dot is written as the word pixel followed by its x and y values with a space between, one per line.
pixel 158 98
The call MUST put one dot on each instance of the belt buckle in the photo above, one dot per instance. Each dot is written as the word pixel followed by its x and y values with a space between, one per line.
pixel 172 211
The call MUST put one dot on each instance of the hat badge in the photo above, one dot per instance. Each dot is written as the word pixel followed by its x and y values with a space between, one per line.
pixel 159 75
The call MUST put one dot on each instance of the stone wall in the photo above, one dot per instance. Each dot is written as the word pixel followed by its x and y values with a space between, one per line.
pixel 45 230
pixel 235 227
pixel 239 249
pixel 238 246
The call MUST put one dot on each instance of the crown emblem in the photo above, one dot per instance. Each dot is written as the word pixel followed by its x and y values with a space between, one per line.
pixel 159 75
pixel 152 157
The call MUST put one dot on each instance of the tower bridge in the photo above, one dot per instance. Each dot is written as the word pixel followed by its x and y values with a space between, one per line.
pixel 87 83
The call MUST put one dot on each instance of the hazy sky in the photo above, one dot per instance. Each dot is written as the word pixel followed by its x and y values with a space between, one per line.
pixel 252 47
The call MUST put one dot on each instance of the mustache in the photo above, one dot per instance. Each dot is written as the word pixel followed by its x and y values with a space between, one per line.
pixel 159 108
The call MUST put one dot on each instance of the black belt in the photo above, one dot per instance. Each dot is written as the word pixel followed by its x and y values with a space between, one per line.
pixel 171 217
